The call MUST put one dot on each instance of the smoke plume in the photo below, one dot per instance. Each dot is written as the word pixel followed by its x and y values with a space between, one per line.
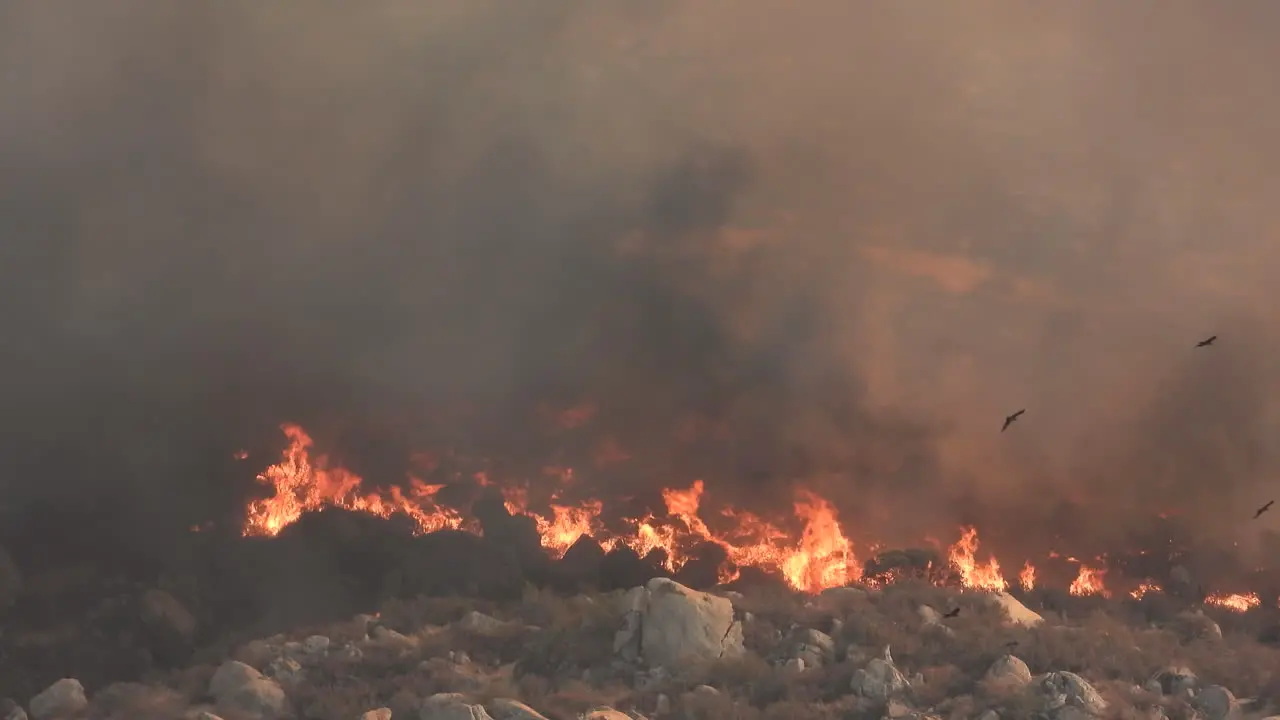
pixel 824 244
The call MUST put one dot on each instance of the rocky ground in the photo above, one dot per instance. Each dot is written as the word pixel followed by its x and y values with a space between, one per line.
pixel 911 650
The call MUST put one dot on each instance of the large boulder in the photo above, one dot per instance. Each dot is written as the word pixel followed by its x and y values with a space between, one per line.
pixel 879 681
pixel 1009 671
pixel 170 628
pixel 239 690
pixel 670 625
pixel 1217 703
pixel 1063 692
pixel 61 699
pixel 1017 613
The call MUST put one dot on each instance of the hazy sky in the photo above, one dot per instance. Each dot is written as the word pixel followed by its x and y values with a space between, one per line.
pixel 848 236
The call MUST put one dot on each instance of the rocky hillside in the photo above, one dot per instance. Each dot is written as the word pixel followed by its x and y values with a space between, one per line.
pixel 662 650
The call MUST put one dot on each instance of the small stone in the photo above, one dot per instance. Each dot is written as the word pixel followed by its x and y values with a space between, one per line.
pixel 285 670
pixel 378 714
pixel 316 645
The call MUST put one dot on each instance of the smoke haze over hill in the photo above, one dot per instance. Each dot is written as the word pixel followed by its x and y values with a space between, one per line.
pixel 829 244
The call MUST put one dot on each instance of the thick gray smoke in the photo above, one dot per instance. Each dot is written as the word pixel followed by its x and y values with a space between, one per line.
pixel 824 243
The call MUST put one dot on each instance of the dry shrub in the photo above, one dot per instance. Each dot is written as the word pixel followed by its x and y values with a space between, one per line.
pixel 407 616
pixel 127 701
pixel 571 646
pixel 700 706
pixel 572 698
pixel 940 683
pixel 794 710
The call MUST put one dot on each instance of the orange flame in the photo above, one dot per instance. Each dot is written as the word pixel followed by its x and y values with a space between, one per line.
pixel 822 557
pixel 1027 578
pixel 1089 582
pixel 302 485
pixel 818 557
pixel 1235 601
pixel 1145 588
pixel 972 573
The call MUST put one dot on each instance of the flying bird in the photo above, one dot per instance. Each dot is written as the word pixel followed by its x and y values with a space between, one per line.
pixel 1207 341
pixel 951 613
pixel 1009 420
pixel 1263 509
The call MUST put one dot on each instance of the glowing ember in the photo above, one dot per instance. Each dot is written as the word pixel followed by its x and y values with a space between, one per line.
pixel 1235 601
pixel 1144 589
pixel 1027 578
pixel 972 573
pixel 1089 582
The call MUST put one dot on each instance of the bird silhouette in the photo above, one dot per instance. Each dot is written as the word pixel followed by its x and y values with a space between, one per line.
pixel 1009 420
pixel 1207 341
pixel 1263 509
pixel 951 613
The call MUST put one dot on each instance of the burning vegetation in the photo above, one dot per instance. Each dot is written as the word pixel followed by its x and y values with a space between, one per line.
pixel 820 554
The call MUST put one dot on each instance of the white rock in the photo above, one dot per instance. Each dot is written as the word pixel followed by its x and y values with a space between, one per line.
pixel 1017 613
pixel 239 689
pixel 64 697
pixel 1059 690
pixel 480 624
pixel 1009 670
pixel 671 625
pixel 390 638
pixel 316 645
pixel 879 681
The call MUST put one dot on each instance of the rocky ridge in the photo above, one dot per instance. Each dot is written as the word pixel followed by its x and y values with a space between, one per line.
pixel 663 650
